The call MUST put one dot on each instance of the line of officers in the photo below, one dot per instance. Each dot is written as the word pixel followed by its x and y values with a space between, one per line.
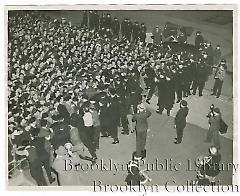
pixel 111 27
pixel 173 78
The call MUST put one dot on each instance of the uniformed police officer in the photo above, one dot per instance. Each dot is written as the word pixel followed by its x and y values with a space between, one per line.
pixel 135 32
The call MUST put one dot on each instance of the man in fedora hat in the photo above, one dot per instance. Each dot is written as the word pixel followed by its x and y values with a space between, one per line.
pixel 141 128
pixel 180 121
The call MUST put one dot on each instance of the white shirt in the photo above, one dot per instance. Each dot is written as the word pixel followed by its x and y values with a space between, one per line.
pixel 88 120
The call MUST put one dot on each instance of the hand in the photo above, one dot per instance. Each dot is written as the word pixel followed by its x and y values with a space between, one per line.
pixel 175 127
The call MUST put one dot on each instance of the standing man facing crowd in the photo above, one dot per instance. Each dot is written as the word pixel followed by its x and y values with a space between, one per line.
pixel 180 121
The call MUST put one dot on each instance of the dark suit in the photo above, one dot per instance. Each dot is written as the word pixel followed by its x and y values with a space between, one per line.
pixel 43 155
pixel 141 130
pixel 180 122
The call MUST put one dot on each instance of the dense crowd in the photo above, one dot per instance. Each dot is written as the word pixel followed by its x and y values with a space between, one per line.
pixel 71 84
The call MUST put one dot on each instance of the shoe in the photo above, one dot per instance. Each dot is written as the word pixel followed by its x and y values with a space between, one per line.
pixel 218 96
pixel 133 131
pixel 177 142
pixel 52 180
pixel 178 101
pixel 147 101
pixel 158 112
pixel 115 142
pixel 94 160
pixel 200 95
pixel 175 138
pixel 124 133
pixel 213 94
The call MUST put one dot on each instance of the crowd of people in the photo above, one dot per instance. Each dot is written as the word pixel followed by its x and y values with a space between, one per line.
pixel 71 84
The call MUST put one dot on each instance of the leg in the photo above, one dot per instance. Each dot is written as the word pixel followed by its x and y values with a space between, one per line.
pixel 130 123
pixel 219 88
pixel 114 133
pixel 179 92
pixel 96 136
pixel 104 131
pixel 151 92
pixel 194 87
pixel 215 87
pixel 201 86
pixel 46 165
pixel 139 143
pixel 216 139
pixel 124 123
pixel 37 173
pixel 179 134
pixel 209 136
pixel 160 107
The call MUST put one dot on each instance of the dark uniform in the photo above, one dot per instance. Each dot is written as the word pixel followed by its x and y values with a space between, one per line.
pixel 95 20
pixel 135 32
pixel 201 78
pixel 35 166
pixel 125 105
pixel 199 40
pixel 43 155
pixel 124 27
pixel 134 91
pixel 115 27
pixel 149 81
pixel 108 21
pixel 165 95
pixel 142 33
pixel 91 19
pixel 103 21
pixel 128 30
pixel 85 18
pixel 180 121
pixel 114 111
pixel 179 84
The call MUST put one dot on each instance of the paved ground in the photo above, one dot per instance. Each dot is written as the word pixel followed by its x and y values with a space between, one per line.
pixel 160 139
pixel 159 146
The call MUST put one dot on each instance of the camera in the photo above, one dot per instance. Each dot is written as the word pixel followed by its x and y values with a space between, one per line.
pixel 211 113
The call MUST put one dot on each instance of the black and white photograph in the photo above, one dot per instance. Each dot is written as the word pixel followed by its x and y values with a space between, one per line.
pixel 118 96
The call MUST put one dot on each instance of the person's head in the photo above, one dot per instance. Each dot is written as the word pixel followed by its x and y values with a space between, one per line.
pixel 183 103
pixel 198 33
pixel 213 150
pixel 216 111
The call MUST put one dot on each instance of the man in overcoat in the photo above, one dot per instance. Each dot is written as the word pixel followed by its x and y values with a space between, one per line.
pixel 180 121
pixel 141 128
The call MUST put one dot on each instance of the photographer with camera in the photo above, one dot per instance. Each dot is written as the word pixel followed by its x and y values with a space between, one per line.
pixel 214 126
